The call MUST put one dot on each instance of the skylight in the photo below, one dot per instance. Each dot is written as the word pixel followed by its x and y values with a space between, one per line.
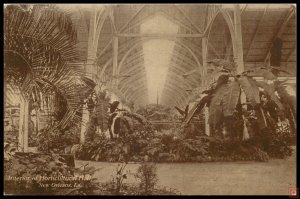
pixel 157 54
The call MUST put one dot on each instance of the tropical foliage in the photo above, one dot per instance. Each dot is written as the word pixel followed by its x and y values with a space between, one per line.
pixel 161 113
pixel 25 172
pixel 56 140
pixel 40 60
pixel 97 105
pixel 223 98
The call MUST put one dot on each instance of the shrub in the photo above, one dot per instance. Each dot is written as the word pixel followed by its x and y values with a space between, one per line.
pixel 89 185
pixel 56 140
pixel 116 184
pixel 147 177
pixel 31 168
pixel 279 141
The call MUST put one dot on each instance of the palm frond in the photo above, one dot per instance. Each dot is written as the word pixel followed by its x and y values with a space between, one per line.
pixel 43 38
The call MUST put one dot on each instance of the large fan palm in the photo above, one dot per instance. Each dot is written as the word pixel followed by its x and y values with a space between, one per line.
pixel 39 58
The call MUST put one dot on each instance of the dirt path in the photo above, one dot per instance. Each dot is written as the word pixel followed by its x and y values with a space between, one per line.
pixel 218 178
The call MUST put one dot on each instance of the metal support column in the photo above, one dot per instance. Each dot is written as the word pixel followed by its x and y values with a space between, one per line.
pixel 23 124
pixel 205 80
pixel 115 61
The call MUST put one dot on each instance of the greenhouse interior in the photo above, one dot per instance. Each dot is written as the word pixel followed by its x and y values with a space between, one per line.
pixel 150 99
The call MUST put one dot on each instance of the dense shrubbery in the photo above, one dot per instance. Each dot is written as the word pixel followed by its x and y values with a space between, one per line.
pixel 24 171
pixel 176 147
pixel 157 112
pixel 56 140
pixel 278 142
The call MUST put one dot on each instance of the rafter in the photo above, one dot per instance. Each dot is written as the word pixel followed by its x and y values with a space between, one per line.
pixel 169 101
pixel 132 90
pixel 290 54
pixel 173 94
pixel 211 47
pixel 133 80
pixel 184 58
pixel 112 19
pixel 132 59
pixel 199 65
pixel 175 100
pixel 176 88
pixel 228 47
pixel 187 18
pixel 133 94
pixel 176 77
pixel 256 31
pixel 161 35
pixel 136 69
pixel 122 48
pixel 163 14
pixel 140 100
pixel 131 19
pixel 290 13
pixel 178 70
pixel 181 66
pixel 183 84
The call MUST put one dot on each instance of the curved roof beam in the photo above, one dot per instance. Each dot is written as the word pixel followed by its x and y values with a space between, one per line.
pixel 138 67
pixel 171 102
pixel 138 94
pixel 138 81
pixel 175 87
pixel 176 91
pixel 122 49
pixel 178 70
pixel 171 96
pixel 140 101
pixel 135 45
pixel 185 58
pixel 147 39
pixel 102 71
pixel 176 78
pixel 180 101
pixel 161 13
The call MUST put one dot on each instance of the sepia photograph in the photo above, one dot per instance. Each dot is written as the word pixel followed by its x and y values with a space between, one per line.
pixel 150 99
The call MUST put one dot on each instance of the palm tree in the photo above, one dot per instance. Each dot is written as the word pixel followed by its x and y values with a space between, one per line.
pixel 39 60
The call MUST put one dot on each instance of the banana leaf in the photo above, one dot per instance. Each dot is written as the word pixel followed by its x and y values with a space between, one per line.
pixel 195 109
pixel 251 89
pixel 231 98
pixel 270 91
pixel 216 106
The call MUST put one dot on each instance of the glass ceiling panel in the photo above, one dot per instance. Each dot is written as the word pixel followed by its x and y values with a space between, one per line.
pixel 157 54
